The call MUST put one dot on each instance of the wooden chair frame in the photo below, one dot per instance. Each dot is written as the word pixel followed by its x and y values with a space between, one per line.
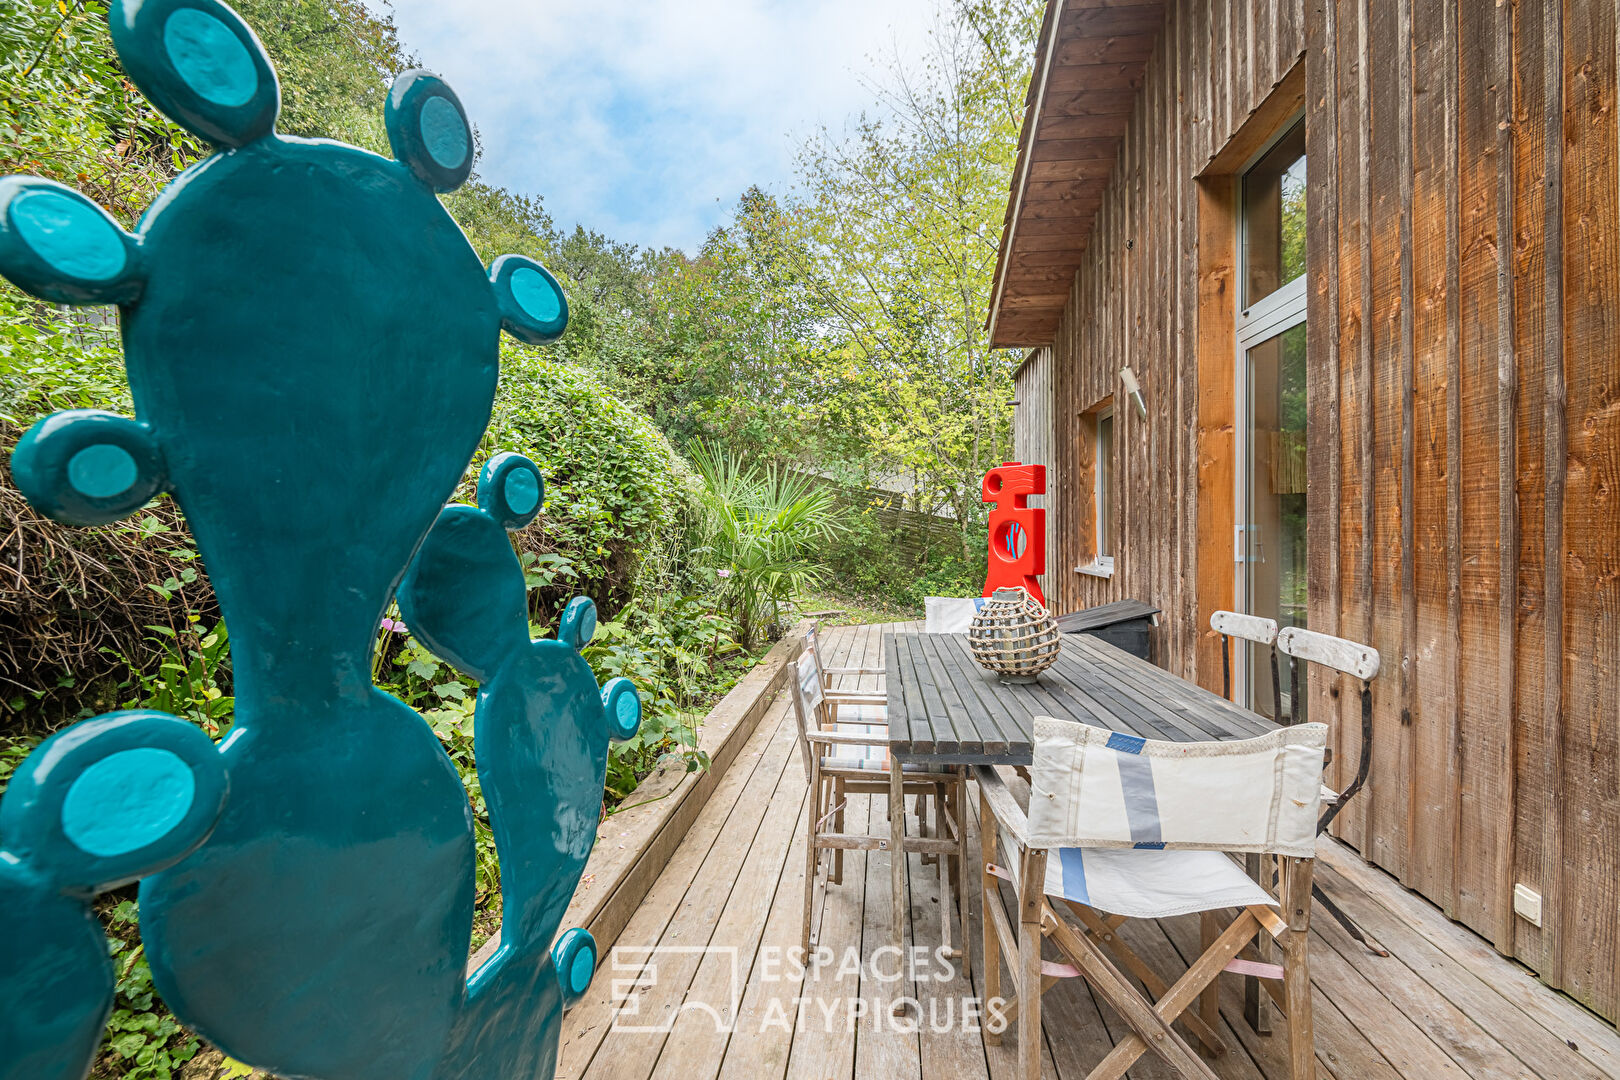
pixel 920 800
pixel 1250 628
pixel 858 697
pixel 1257 630
pixel 1361 662
pixel 830 787
pixel 1081 934
pixel 812 645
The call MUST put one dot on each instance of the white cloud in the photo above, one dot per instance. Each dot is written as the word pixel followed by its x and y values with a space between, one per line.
pixel 646 120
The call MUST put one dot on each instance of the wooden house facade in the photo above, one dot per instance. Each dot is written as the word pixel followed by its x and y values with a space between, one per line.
pixel 1362 259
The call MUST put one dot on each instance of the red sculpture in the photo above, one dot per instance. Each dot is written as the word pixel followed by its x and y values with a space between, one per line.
pixel 1017 530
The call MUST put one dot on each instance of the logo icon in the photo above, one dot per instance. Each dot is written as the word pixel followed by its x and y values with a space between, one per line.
pixel 653 985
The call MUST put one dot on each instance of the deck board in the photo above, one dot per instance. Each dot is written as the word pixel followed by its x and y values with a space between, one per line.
pixel 1442 1005
pixel 881 1051
pixel 587 1023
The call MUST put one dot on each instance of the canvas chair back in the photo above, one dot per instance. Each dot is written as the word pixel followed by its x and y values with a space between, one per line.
pixel 804 678
pixel 1104 789
pixel 950 614
pixel 812 650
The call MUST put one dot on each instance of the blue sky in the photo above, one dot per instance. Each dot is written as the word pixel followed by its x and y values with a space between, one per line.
pixel 645 120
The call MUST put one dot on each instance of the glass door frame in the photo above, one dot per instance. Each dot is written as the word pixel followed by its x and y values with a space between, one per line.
pixel 1259 322
pixel 1276 314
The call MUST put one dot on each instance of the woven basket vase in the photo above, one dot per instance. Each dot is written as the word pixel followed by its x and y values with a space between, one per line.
pixel 1014 636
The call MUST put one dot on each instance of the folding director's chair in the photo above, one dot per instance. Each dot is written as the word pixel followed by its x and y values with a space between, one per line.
pixel 1119 827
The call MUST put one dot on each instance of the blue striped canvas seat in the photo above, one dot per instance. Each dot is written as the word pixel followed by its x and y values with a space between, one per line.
pixel 1150 884
pixel 873 759
pixel 1139 827
pixel 870 764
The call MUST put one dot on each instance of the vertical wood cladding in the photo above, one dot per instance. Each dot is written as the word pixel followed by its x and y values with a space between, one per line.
pixel 1032 428
pixel 1464 411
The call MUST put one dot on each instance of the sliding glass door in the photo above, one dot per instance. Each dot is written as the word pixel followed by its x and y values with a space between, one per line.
pixel 1270 541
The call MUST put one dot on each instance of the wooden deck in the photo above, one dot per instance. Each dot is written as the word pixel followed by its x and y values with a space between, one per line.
pixel 726 910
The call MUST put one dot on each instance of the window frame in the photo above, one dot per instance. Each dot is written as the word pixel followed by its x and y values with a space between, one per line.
pixel 1102 473
pixel 1266 318
pixel 1294 121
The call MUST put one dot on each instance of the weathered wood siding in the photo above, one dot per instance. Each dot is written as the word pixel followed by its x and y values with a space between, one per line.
pixel 1465 296
pixel 1134 302
pixel 1464 396
pixel 1032 439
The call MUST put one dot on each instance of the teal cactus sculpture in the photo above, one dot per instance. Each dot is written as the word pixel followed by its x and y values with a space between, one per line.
pixel 312 350
pixel 94 807
pixel 541 736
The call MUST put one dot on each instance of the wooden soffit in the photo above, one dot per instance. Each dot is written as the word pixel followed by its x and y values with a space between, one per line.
pixel 1088 67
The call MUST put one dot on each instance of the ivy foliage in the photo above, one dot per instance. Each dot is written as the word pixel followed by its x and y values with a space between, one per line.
pixel 142 1042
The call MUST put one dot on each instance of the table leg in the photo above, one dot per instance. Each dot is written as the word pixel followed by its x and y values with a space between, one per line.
pixel 1031 907
pixel 920 805
pixel 897 851
pixel 962 864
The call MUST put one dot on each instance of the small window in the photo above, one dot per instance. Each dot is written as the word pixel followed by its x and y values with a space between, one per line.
pixel 1105 485
pixel 1098 427
pixel 1274 218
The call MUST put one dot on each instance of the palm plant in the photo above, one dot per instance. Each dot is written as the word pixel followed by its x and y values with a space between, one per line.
pixel 763 529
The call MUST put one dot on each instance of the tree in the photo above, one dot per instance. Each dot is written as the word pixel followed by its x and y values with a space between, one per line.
pixel 902 219
pixel 741 338
pixel 841 326
pixel 334 59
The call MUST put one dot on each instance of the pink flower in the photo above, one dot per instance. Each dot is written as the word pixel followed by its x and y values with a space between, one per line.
pixel 723 573
pixel 393 625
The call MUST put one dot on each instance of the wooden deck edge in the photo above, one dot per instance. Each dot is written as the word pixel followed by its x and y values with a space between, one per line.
pixel 633 845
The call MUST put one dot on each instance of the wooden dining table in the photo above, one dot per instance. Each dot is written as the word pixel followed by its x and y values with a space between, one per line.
pixel 945 711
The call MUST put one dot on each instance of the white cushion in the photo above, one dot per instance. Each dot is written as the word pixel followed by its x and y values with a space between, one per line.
pixel 950 614
pixel 1150 884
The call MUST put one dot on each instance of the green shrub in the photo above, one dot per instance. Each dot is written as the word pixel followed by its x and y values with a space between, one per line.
pixel 52 360
pixel 84 612
pixel 869 559
pixel 953 576
pixel 143 1041
pixel 618 497
pixel 765 530
pixel 68 113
